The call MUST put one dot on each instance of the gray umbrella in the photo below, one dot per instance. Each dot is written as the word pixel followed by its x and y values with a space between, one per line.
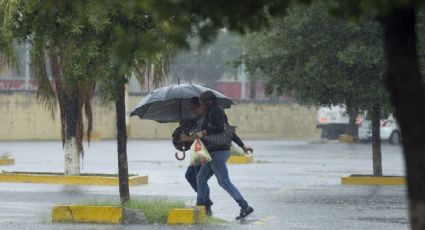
pixel 173 103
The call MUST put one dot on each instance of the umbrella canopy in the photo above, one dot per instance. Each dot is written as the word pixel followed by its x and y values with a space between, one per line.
pixel 173 103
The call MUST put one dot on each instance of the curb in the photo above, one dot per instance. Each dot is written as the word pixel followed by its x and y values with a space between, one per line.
pixel 51 178
pixel 97 214
pixel 7 161
pixel 186 215
pixel 240 159
pixel 344 138
pixel 373 180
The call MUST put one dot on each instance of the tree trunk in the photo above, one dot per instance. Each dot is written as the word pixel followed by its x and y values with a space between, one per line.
pixel 72 156
pixel 252 87
pixel 122 146
pixel 376 141
pixel 353 128
pixel 407 95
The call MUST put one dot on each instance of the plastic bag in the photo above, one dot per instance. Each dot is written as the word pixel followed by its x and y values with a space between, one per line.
pixel 198 153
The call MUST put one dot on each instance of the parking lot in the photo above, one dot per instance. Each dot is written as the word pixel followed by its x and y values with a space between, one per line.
pixel 291 185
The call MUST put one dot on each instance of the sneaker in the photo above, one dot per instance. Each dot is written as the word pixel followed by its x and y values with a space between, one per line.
pixel 208 211
pixel 245 212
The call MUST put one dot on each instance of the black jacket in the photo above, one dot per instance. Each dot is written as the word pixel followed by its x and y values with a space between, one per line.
pixel 215 118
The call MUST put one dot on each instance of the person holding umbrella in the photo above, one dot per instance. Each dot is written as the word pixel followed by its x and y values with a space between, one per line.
pixel 214 123
pixel 186 139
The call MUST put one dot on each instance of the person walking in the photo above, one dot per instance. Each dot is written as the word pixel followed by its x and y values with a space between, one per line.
pixel 186 138
pixel 214 123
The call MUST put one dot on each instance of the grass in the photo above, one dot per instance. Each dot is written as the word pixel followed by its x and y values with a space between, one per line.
pixel 156 211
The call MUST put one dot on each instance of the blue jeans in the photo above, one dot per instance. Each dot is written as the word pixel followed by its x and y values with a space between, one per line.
pixel 191 174
pixel 217 167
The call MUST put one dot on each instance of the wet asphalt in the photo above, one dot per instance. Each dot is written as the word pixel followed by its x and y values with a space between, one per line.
pixel 291 185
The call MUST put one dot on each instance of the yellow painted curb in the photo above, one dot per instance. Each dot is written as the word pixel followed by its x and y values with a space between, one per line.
pixel 7 161
pixel 69 180
pixel 344 138
pixel 186 215
pixel 240 159
pixel 373 180
pixel 87 214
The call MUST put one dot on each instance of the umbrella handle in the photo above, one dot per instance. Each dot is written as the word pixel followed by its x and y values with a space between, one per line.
pixel 183 156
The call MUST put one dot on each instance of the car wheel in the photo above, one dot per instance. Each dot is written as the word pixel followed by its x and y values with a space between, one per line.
pixel 395 137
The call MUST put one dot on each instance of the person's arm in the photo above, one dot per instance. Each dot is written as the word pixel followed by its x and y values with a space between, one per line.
pixel 239 142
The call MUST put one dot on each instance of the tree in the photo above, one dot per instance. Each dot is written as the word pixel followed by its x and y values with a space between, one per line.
pixel 206 63
pixel 131 43
pixel 83 43
pixel 324 61
pixel 64 48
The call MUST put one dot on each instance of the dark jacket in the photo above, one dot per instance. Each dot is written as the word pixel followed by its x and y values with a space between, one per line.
pixel 215 118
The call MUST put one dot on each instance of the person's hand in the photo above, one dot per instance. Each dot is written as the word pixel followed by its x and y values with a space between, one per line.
pixel 247 149
pixel 199 134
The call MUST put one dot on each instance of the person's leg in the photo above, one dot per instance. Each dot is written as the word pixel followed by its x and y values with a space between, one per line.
pixel 191 176
pixel 204 174
pixel 219 168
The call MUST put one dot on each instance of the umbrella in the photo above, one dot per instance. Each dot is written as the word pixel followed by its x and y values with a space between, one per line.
pixel 173 103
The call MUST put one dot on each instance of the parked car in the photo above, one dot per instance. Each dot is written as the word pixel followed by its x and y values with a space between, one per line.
pixel 389 130
pixel 333 121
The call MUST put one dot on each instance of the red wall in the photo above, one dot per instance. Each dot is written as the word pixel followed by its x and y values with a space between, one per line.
pixel 234 90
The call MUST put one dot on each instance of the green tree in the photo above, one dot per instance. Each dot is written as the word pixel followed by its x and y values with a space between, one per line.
pixel 324 61
pixel 206 63
pixel 81 43
pixel 64 48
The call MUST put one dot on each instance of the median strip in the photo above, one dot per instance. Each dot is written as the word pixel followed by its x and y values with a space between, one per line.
pixel 192 215
pixel 245 159
pixel 97 214
pixel 7 161
pixel 373 180
pixel 60 178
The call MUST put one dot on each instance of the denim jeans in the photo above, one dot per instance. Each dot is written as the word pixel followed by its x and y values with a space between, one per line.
pixel 217 167
pixel 191 174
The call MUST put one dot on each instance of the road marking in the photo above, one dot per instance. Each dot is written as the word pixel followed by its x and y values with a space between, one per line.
pixel 265 219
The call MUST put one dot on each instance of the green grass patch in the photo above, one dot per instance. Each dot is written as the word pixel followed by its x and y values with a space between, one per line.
pixel 156 211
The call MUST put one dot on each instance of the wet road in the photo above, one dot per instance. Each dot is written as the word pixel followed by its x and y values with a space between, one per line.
pixel 291 185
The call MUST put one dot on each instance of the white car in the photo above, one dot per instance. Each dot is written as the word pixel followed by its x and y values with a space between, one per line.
pixel 389 130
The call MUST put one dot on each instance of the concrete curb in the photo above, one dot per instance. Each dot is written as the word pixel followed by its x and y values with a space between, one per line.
pixel 186 215
pixel 7 161
pixel 46 178
pixel 344 138
pixel 240 159
pixel 97 214
pixel 373 180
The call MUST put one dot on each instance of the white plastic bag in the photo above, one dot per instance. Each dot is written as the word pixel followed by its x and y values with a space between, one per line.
pixel 198 153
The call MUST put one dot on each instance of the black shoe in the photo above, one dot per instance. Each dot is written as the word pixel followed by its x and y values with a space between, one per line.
pixel 245 212
pixel 208 211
